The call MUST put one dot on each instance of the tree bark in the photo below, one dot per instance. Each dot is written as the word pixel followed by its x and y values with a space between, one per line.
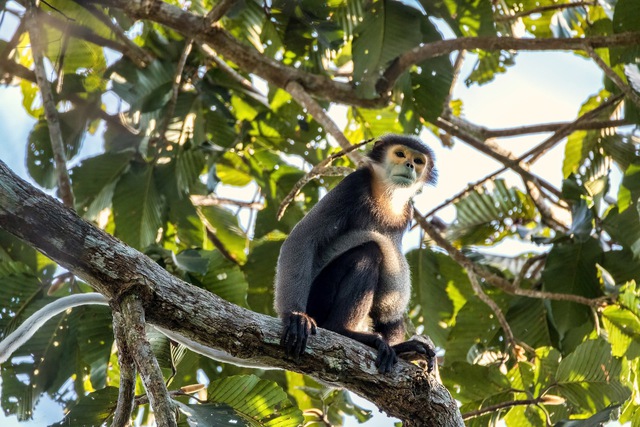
pixel 116 270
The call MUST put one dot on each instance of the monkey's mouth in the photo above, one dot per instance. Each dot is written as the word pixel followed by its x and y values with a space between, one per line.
pixel 403 179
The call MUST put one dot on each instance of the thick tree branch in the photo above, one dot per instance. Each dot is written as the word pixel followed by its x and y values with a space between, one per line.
pixel 444 47
pixel 114 269
pixel 50 112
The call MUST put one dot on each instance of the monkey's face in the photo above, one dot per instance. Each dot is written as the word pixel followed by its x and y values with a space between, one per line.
pixel 404 166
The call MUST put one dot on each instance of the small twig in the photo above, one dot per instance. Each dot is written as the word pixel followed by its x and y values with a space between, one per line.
pixel 497 406
pixel 134 329
pixel 511 341
pixel 541 9
pixel 552 127
pixel 246 84
pixel 126 389
pixel 535 153
pixel 462 193
pixel 317 112
pixel 50 111
pixel 175 91
pixel 525 269
pixel 213 200
pixel 133 49
pixel 218 11
pixel 509 162
pixel 82 32
pixel 316 171
pixel 615 78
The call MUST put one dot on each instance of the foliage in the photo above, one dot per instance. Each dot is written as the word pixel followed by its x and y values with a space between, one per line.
pixel 171 151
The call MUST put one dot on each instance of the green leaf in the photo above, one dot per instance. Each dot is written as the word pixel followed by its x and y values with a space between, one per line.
pixel 474 17
pixel 95 179
pixel 570 269
pixel 191 261
pixel 488 65
pixel 260 272
pixel 258 402
pixel 624 228
pixel 137 207
pixel 94 340
pixel 581 143
pixel 625 20
pixel 609 413
pixel 40 162
pixel 485 217
pixel 224 279
pixel 473 383
pixel 93 409
pixel 388 29
pixel 589 378
pixel 582 221
pixel 528 321
pixel 623 327
pixel 429 282
pixel 224 225
pixel 475 327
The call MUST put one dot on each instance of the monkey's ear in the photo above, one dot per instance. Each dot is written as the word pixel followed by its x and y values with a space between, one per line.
pixel 378 142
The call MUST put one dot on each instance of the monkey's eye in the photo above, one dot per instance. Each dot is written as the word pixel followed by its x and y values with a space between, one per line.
pixel 419 161
pixel 400 154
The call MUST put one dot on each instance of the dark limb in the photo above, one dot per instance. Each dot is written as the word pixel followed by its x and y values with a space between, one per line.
pixel 297 327
pixel 394 332
pixel 342 295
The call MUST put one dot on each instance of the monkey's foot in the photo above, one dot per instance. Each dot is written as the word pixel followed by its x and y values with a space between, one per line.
pixel 387 357
pixel 417 348
pixel 297 328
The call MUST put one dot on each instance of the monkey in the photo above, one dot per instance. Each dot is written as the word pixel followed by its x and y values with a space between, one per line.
pixel 341 267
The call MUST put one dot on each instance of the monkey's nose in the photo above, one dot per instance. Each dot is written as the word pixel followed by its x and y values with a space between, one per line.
pixel 410 165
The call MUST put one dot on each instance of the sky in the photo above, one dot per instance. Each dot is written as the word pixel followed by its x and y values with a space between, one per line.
pixel 540 88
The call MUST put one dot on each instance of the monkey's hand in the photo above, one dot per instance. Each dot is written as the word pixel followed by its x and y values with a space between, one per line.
pixel 386 356
pixel 296 329
pixel 417 349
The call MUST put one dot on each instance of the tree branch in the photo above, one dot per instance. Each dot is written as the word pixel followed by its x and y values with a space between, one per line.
pixel 615 78
pixel 134 329
pixel 542 9
pixel 218 11
pixel 552 127
pixel 50 112
pixel 511 341
pixel 130 50
pixel 493 279
pixel 317 112
pixel 491 152
pixel 444 47
pixel 113 269
pixel 127 386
